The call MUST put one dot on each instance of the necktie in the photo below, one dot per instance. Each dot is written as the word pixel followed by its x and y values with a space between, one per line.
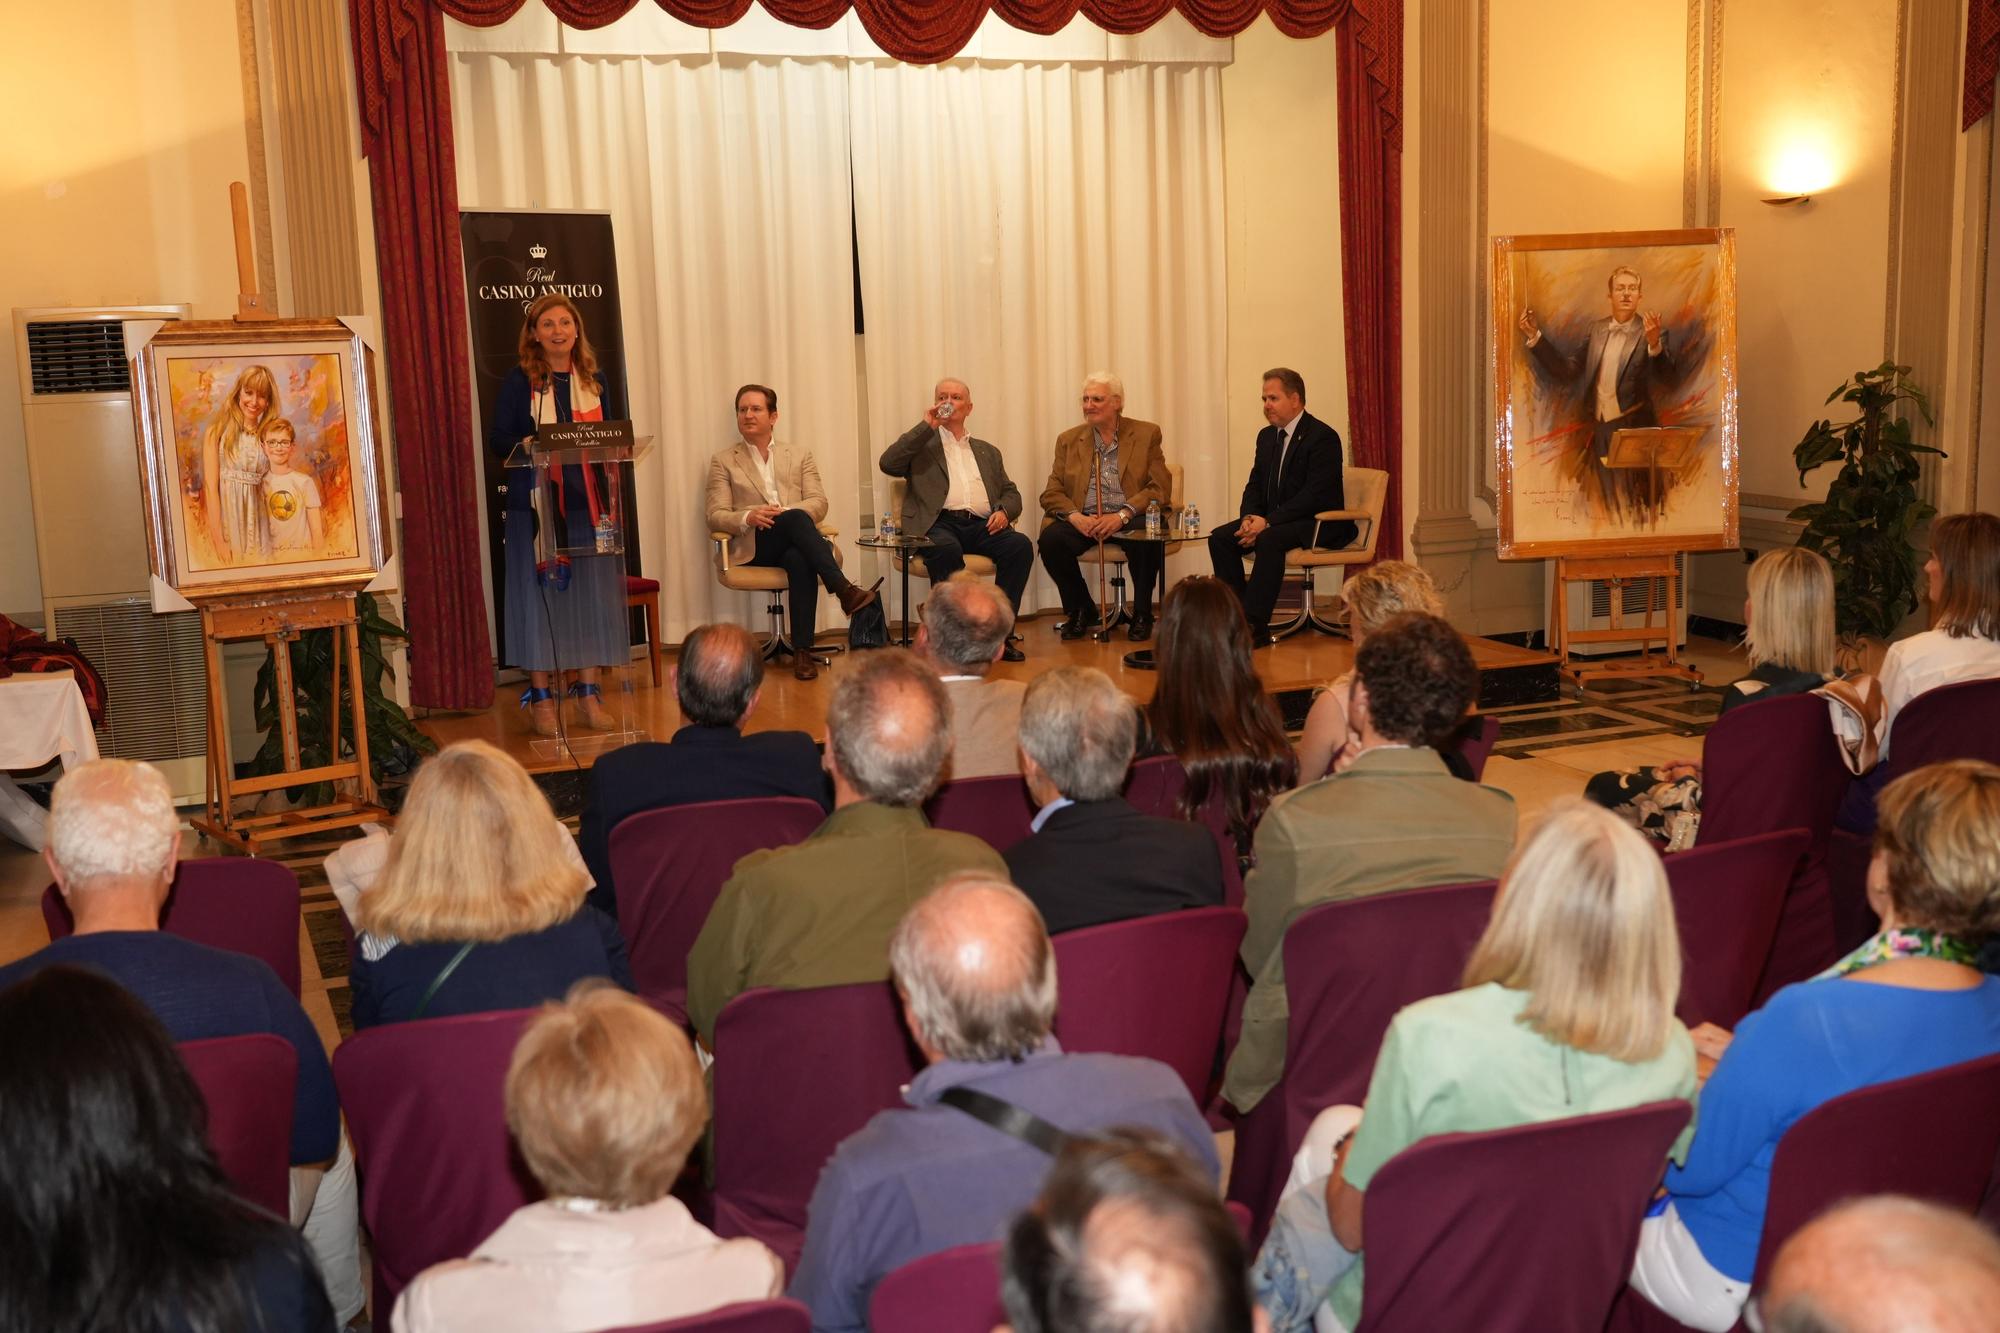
pixel 1284 447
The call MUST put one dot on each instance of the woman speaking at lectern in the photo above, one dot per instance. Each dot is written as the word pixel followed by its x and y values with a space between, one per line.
pixel 564 613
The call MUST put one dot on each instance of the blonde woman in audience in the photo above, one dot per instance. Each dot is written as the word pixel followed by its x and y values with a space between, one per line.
pixel 605 1099
pixel 1567 1010
pixel 1963 587
pixel 1908 1001
pixel 480 905
pixel 1384 589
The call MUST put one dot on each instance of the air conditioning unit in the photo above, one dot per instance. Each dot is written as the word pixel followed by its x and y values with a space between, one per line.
pixel 90 535
pixel 1590 608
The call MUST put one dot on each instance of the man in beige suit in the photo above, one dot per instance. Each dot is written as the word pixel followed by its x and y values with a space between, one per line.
pixel 1105 473
pixel 768 494
pixel 966 624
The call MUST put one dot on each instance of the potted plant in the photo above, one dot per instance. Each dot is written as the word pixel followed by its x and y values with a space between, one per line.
pixel 1863 526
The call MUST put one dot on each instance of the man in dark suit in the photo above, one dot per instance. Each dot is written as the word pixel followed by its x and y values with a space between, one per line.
pixel 709 759
pixel 959 496
pixel 1614 372
pixel 1092 858
pixel 1296 474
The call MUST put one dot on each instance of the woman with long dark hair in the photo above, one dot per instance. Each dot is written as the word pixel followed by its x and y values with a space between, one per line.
pixel 1210 710
pixel 114 1217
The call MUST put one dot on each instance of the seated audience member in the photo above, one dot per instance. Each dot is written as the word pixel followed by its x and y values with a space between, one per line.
pixel 1789 640
pixel 966 624
pixel 1384 589
pixel 1092 858
pixel 978 983
pixel 1963 587
pixel 820 913
pixel 480 907
pixel 1884 1265
pixel 1394 817
pixel 605 1099
pixel 1210 711
pixel 1126 1235
pixel 1908 1001
pixel 717 679
pixel 114 1212
pixel 1567 1010
pixel 113 835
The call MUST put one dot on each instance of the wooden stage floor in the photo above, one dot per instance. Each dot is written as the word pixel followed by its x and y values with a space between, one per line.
pixel 1290 669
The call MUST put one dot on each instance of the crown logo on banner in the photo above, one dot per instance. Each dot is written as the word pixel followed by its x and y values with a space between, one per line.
pixel 538 251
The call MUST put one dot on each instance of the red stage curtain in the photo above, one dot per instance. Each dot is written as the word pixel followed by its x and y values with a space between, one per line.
pixel 405 104
pixel 1982 59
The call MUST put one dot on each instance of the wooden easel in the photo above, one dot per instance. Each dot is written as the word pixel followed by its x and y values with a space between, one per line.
pixel 1617 570
pixel 278 618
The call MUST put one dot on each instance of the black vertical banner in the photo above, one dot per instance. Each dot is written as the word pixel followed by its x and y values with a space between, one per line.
pixel 511 260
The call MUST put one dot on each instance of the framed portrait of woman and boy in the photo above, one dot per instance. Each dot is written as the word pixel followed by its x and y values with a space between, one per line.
pixel 259 457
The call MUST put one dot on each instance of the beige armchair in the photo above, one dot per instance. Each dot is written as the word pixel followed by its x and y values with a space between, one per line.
pixel 1365 490
pixel 772 580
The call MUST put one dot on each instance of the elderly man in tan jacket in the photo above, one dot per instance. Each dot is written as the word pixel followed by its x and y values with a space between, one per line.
pixel 769 495
pixel 1106 471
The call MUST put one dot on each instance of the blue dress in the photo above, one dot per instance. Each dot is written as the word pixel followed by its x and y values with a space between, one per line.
pixel 545 628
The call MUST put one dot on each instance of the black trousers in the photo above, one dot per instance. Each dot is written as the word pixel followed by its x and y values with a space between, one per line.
pixel 1259 594
pixel 958 531
pixel 793 543
pixel 1063 547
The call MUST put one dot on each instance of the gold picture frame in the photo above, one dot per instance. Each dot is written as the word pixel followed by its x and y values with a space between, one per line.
pixel 259 457
pixel 1558 404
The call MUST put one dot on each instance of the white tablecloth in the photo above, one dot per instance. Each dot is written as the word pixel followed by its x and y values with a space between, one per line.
pixel 42 717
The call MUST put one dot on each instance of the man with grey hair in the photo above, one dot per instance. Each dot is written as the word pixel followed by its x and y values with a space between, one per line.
pixel 977 978
pixel 1091 857
pixel 1884 1265
pixel 958 494
pixel 114 839
pixel 966 624
pixel 717 679
pixel 820 913
pixel 1106 471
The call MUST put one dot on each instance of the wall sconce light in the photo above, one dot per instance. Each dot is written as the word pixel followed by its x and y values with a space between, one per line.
pixel 1790 201
pixel 1804 166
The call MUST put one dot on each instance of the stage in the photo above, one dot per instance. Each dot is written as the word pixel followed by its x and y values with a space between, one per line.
pixel 1291 669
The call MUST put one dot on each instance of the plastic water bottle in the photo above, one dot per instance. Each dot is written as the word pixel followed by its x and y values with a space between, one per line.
pixel 885 527
pixel 607 534
pixel 1191 521
pixel 1153 518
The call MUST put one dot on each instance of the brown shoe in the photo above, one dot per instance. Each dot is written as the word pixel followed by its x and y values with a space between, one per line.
pixel 803 667
pixel 853 597
pixel 543 717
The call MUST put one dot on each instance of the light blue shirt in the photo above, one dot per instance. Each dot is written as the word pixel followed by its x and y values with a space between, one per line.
pixel 1042 815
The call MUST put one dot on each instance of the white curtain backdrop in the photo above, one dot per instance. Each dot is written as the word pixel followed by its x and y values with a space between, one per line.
pixel 1023 225
pixel 727 185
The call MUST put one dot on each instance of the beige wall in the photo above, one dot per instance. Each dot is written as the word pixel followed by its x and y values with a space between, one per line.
pixel 127 203
pixel 1282 168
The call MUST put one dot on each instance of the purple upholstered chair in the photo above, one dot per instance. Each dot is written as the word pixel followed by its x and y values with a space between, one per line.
pixel 1155 986
pixel 426 1109
pixel 1773 764
pixel 952 1291
pixel 1930 1136
pixel 747 1317
pixel 1533 1226
pixel 1154 787
pixel 1959 721
pixel 997 809
pixel 242 904
pixel 1342 987
pixel 1727 899
pixel 248 1083
pixel 797 1071
pixel 670 865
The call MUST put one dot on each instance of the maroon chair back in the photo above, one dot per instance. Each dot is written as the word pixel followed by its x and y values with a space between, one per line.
pixel 952 1291
pixel 1155 986
pixel 1959 721
pixel 1768 765
pixel 249 1084
pixel 1533 1226
pixel 1476 747
pixel 797 1071
pixel 1154 787
pixel 996 809
pixel 1727 900
pixel 242 904
pixel 426 1111
pixel 671 864
pixel 1342 986
pixel 746 1317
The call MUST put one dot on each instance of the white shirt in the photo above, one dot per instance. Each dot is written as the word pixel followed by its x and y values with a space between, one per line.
pixel 967 489
pixel 765 462
pixel 1616 344
pixel 1285 434
pixel 1924 662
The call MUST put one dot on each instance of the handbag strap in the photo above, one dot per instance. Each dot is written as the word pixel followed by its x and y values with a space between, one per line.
pixel 439 979
pixel 1015 1121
